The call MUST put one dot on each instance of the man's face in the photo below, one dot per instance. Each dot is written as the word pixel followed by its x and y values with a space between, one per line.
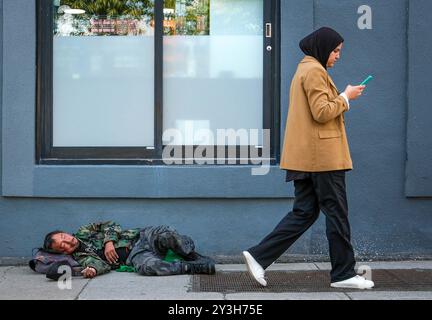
pixel 334 56
pixel 64 243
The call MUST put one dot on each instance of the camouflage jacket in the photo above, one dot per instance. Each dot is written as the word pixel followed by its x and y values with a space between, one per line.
pixel 94 236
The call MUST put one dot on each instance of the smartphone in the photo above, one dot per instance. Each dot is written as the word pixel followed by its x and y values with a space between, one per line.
pixel 369 78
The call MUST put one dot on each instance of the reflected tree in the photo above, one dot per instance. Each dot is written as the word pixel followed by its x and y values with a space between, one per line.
pixel 113 8
pixel 105 17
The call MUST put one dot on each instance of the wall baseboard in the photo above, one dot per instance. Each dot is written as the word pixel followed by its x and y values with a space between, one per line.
pixel 287 258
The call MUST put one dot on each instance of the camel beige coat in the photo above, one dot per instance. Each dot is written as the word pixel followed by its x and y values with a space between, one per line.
pixel 315 138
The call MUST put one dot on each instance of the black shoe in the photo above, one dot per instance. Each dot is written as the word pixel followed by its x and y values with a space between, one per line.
pixel 198 267
pixel 195 256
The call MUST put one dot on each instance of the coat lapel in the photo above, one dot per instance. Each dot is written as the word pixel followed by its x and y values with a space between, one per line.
pixel 332 83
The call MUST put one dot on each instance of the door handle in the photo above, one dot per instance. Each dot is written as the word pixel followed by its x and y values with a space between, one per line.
pixel 268 30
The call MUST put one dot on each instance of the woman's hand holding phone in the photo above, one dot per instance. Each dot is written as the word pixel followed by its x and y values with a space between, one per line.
pixel 353 92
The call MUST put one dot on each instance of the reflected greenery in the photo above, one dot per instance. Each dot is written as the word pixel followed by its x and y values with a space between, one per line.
pixel 130 17
pixel 187 17
pixel 104 17
pixel 113 8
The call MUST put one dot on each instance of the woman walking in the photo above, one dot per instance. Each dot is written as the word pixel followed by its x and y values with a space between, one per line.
pixel 315 156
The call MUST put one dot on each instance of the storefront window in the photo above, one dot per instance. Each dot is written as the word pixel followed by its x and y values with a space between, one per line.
pixel 122 81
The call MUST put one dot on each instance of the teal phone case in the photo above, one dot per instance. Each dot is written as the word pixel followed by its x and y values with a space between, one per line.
pixel 366 81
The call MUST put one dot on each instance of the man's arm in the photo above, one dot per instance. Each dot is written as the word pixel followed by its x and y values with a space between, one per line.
pixel 86 260
pixel 110 229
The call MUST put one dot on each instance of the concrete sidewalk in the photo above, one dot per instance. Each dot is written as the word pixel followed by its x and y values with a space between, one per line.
pixel 19 282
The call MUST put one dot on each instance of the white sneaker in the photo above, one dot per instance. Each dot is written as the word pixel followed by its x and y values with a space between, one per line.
pixel 356 282
pixel 254 268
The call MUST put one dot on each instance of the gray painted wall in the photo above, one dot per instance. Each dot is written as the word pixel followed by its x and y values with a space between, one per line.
pixel 385 223
pixel 419 142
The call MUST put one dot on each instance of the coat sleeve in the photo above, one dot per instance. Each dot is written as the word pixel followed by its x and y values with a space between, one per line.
pixel 110 230
pixel 323 108
pixel 86 260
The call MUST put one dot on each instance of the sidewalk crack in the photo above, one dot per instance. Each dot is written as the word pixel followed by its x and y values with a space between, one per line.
pixel 347 296
pixel 82 289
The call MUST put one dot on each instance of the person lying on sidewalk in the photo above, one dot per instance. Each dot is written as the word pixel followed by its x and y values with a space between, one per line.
pixel 104 246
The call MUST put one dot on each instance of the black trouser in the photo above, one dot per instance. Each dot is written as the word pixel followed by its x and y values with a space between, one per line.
pixel 320 190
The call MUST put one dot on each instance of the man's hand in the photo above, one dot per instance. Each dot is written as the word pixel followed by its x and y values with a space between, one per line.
pixel 353 92
pixel 110 252
pixel 89 272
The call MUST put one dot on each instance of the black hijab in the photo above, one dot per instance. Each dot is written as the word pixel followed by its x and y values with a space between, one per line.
pixel 320 43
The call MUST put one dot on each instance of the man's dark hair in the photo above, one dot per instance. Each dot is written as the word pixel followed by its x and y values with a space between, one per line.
pixel 47 245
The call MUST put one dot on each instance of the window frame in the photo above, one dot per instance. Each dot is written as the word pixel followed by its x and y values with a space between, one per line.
pixel 47 154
